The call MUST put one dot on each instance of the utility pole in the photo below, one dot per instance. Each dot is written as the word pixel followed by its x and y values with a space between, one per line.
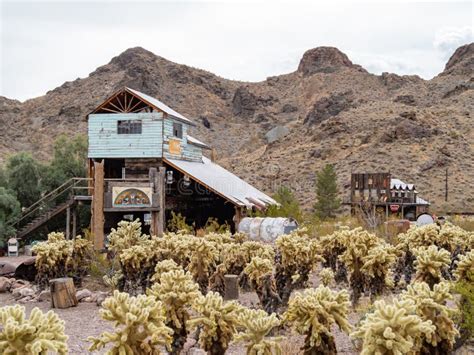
pixel 446 186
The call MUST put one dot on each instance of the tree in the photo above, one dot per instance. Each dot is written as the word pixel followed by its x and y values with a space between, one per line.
pixel 9 209
pixel 326 193
pixel 24 178
pixel 69 160
pixel 289 205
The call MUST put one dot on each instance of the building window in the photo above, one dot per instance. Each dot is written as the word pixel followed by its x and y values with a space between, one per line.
pixel 129 127
pixel 178 130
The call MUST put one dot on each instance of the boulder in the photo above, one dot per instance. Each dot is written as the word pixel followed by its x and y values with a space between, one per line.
pixel 81 294
pixel 324 60
pixel 406 100
pixel 276 133
pixel 101 296
pixel 19 284
pixel 330 106
pixel 22 292
pixel 244 103
pixel 5 284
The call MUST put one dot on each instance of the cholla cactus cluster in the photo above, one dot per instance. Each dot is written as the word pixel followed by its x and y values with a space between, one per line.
pixel 393 329
pixel 139 326
pixel 313 312
pixel 40 334
pixel 58 257
pixel 333 245
pixel 465 268
pixel 327 276
pixel 258 324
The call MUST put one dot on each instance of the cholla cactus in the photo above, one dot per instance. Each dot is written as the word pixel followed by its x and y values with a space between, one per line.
pixel 258 324
pixel 393 329
pixel 164 266
pixel 377 265
pixel 430 263
pixel 465 268
pixel 203 260
pixel 431 306
pixel 58 257
pixel 327 276
pixel 137 264
pixel 334 245
pixel 177 291
pixel 126 235
pixel 297 256
pixel 139 325
pixel 217 321
pixel 260 273
pixel 114 280
pixel 358 244
pixel 40 334
pixel 313 312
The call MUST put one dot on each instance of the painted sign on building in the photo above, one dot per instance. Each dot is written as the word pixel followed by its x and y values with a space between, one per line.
pixel 131 196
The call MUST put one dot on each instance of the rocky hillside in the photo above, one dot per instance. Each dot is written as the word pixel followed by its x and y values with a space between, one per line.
pixel 282 130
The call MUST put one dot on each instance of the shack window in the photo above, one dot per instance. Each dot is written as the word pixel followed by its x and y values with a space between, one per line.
pixel 129 127
pixel 178 130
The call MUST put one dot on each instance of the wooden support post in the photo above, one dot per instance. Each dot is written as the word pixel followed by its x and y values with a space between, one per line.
pixel 63 293
pixel 160 189
pixel 74 222
pixel 68 223
pixel 231 287
pixel 98 206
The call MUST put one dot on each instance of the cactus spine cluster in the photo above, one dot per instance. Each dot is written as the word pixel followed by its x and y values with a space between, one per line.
pixel 40 334
pixel 313 312
pixel 430 263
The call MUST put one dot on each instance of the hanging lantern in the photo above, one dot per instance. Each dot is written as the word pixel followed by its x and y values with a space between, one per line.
pixel 169 177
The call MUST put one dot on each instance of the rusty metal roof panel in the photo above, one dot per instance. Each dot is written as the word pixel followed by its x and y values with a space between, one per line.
pixel 160 105
pixel 223 182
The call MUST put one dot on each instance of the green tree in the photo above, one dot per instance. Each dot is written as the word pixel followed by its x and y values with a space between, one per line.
pixel 69 160
pixel 289 205
pixel 24 178
pixel 9 209
pixel 326 193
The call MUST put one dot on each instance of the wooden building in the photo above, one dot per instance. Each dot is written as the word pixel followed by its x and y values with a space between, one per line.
pixel 144 164
pixel 380 193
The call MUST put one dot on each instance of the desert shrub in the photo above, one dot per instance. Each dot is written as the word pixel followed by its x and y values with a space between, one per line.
pixel 465 267
pixel 313 312
pixel 327 276
pixel 217 321
pixel 297 256
pixel 163 267
pixel 430 263
pixel 257 324
pixel 333 245
pixel 177 223
pixel 40 334
pixel 202 262
pixel 213 226
pixel 176 291
pixel 125 236
pixel 137 266
pixel 260 274
pixel 139 325
pixel 393 329
pixel 431 306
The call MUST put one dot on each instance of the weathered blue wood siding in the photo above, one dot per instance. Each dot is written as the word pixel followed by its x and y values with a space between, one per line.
pixel 188 151
pixel 104 142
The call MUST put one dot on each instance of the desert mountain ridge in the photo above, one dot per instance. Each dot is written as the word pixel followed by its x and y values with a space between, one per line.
pixel 282 130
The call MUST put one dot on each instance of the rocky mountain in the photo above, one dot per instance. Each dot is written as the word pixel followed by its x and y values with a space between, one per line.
pixel 282 130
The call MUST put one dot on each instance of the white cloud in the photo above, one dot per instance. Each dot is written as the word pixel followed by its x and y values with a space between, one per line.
pixel 448 39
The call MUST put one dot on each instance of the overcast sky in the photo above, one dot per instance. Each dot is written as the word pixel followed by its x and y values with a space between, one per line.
pixel 44 44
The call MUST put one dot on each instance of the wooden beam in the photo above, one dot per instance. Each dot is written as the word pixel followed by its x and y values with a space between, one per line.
pixel 68 223
pixel 74 222
pixel 98 206
pixel 160 189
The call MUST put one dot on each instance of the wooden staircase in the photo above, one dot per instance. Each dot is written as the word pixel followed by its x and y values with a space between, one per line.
pixel 51 205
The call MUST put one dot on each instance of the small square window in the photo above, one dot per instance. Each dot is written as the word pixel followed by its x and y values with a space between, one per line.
pixel 178 130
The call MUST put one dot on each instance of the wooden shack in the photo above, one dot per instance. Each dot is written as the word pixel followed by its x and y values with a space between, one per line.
pixel 383 194
pixel 143 163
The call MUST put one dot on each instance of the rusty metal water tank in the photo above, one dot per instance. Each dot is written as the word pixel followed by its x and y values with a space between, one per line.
pixel 266 229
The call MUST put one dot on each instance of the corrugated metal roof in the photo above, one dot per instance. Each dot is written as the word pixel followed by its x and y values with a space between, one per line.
pixel 420 201
pixel 161 106
pixel 195 141
pixel 223 182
